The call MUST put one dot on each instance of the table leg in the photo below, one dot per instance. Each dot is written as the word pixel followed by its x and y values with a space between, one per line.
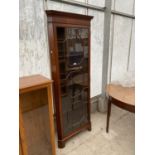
pixel 108 114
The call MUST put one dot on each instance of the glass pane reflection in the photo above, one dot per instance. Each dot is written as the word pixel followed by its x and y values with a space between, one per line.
pixel 73 66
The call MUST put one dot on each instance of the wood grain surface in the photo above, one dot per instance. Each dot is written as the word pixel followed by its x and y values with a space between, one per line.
pixel 31 81
pixel 123 94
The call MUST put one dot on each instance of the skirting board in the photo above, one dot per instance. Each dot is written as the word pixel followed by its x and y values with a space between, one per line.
pixel 98 103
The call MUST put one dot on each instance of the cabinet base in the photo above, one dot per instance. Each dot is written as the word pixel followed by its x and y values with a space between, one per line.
pixel 61 142
pixel 89 128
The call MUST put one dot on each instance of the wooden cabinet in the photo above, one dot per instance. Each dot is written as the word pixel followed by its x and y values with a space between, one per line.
pixel 36 123
pixel 69 43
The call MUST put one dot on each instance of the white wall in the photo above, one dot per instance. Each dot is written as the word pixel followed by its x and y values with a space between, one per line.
pixel 97 43
pixel 34 54
pixel 121 52
pixel 33 47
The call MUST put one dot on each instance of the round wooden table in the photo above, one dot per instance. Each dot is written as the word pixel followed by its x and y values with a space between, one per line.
pixel 123 97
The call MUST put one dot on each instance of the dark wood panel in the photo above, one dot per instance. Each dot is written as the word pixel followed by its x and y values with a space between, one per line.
pixel 53 13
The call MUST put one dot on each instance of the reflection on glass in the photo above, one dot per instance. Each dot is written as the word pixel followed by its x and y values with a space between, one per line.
pixel 73 64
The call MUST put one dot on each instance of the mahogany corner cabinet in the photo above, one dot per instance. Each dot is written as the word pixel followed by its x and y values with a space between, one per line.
pixel 69 44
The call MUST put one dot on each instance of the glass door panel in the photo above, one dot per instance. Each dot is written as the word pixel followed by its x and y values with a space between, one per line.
pixel 74 77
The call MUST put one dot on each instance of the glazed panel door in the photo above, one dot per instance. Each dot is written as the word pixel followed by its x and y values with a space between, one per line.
pixel 73 61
